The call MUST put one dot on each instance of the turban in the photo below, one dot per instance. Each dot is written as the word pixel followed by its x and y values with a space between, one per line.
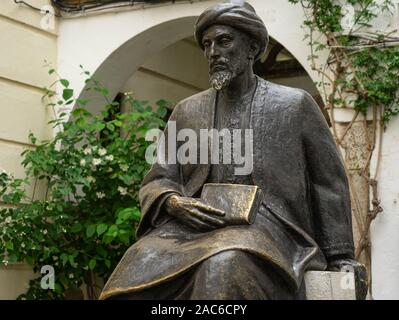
pixel 241 17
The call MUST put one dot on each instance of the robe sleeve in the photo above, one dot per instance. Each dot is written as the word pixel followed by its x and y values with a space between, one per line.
pixel 162 180
pixel 329 187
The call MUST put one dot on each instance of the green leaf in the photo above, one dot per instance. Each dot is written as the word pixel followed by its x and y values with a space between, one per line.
pixel 65 83
pixel 76 228
pixel 91 229
pixel 104 92
pixel 9 245
pixel 101 228
pixel 117 123
pixel 71 259
pixel 51 71
pixel 58 288
pixel 92 264
pixel 64 258
pixel 107 263
pixel 110 126
pixel 12 258
pixel 136 215
pixel 29 260
pixel 113 231
pixel 67 94
pixel 107 239
pixel 162 112
pixel 125 214
pixel 82 102
pixel 125 238
pixel 101 251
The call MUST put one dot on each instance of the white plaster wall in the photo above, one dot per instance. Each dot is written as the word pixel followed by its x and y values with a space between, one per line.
pixel 385 229
pixel 24 46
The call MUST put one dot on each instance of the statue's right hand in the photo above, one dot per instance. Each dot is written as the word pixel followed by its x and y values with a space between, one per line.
pixel 195 213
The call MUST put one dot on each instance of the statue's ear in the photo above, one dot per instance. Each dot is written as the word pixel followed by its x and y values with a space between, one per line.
pixel 254 49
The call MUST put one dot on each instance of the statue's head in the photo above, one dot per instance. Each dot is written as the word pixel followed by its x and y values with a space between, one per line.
pixel 233 37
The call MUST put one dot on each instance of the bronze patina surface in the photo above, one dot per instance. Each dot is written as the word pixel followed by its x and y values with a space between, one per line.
pixel 186 250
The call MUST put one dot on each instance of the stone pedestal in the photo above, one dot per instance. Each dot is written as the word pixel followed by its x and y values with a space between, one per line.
pixel 325 285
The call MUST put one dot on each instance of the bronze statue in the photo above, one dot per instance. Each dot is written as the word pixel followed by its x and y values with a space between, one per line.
pixel 186 250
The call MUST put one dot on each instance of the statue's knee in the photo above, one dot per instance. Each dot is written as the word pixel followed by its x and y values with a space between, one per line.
pixel 229 257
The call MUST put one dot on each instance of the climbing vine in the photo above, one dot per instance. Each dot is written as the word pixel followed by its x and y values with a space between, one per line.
pixel 360 72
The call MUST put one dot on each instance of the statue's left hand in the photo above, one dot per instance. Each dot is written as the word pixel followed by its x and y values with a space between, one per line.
pixel 346 264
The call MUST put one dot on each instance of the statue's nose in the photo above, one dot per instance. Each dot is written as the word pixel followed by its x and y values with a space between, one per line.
pixel 214 51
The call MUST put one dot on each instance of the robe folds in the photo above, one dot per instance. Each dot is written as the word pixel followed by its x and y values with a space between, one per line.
pixel 305 216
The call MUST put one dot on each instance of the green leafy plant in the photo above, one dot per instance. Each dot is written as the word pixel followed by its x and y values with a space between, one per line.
pixel 92 171
pixel 362 64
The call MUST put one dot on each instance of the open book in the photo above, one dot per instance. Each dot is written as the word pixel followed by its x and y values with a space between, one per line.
pixel 239 202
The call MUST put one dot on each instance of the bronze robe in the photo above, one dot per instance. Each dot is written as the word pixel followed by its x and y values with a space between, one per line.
pixel 305 215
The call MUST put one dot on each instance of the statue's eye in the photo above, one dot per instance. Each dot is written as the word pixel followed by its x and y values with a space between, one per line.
pixel 225 41
pixel 206 44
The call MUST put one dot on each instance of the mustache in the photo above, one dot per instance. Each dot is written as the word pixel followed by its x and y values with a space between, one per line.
pixel 218 63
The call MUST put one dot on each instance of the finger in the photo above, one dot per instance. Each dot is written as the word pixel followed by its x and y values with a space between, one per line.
pixel 207 218
pixel 198 224
pixel 209 209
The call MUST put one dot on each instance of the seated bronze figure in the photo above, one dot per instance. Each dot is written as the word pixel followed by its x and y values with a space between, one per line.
pixel 186 250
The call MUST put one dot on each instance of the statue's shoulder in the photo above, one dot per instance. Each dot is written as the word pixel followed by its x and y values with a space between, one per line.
pixel 195 106
pixel 279 93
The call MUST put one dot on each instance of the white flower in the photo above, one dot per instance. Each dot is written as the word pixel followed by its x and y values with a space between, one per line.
pixel 23 245
pixel 87 151
pixel 122 190
pixel 102 152
pixel 45 231
pixel 100 195
pixel 96 161
pixel 124 167
pixel 5 262
pixel 109 158
pixel 91 179
pixel 55 258
pixel 70 276
pixel 83 162
pixel 8 220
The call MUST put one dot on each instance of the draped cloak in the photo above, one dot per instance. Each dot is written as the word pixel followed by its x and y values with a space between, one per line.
pixel 305 214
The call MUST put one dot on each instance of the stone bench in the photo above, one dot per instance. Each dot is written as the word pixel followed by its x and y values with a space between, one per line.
pixel 320 285
pixel 326 285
